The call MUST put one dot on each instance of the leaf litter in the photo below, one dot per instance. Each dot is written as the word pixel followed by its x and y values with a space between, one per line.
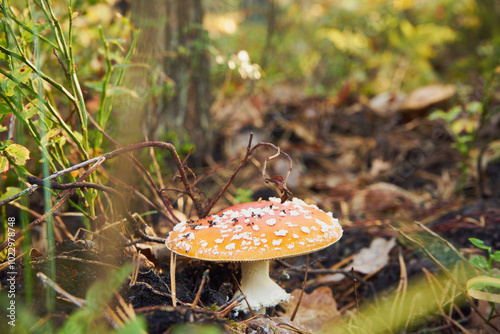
pixel 379 165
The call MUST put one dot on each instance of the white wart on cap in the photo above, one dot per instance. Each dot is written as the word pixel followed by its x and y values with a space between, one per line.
pixel 254 233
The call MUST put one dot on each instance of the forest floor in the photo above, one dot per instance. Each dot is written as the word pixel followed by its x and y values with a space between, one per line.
pixel 388 172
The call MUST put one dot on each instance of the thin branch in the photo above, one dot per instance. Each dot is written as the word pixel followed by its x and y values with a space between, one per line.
pixel 249 152
pixel 204 279
pixel 112 191
pixel 61 63
pixel 304 282
pixel 136 162
pixel 114 154
pixel 330 271
pixel 56 206
pixel 47 281
pixel 77 259
pixel 177 161
pixel 354 280
pixel 224 310
pixel 75 300
pixel 41 74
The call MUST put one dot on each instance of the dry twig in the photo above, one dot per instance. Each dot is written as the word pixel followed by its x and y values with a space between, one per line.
pixel 294 314
pixel 204 279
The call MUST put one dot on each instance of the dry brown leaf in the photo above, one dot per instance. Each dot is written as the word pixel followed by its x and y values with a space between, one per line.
pixel 375 257
pixel 242 113
pixel 379 167
pixel 423 97
pixel 316 309
pixel 477 322
pixel 386 104
pixel 383 198
pixel 303 131
pixel 286 94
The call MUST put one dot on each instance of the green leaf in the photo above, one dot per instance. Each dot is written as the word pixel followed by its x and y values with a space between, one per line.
pixel 10 191
pixel 22 73
pixel 438 114
pixel 496 256
pixel 243 195
pixel 8 86
pixel 119 90
pixel 476 284
pixel 18 153
pixel 479 261
pixel 30 109
pixel 97 86
pixel 4 164
pixel 102 290
pixel 5 109
pixel 453 113
pixel 475 107
pixel 50 135
pixel 479 243
pixel 137 325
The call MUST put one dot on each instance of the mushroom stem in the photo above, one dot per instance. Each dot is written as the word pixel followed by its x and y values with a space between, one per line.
pixel 259 289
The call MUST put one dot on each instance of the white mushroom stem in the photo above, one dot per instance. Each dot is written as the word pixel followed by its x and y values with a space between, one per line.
pixel 259 289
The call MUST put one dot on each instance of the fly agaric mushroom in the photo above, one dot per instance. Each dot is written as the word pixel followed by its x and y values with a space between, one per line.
pixel 254 233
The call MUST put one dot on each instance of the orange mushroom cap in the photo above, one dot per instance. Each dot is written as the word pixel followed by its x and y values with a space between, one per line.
pixel 256 231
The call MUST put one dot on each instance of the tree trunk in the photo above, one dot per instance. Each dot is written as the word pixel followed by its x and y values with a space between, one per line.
pixel 187 64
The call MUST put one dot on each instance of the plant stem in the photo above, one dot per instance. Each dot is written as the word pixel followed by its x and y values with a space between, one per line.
pixel 102 116
pixel 47 196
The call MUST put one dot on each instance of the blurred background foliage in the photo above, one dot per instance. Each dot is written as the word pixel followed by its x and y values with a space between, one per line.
pixel 370 47
pixel 376 46
pixel 126 56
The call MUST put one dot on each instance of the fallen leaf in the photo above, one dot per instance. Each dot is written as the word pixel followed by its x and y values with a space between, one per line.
pixel 386 104
pixel 240 114
pixel 477 320
pixel 383 198
pixel 424 97
pixel 317 309
pixel 286 94
pixel 375 257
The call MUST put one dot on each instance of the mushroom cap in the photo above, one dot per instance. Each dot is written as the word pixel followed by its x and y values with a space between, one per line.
pixel 256 231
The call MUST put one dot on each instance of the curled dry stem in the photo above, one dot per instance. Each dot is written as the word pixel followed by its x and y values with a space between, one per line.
pixel 278 179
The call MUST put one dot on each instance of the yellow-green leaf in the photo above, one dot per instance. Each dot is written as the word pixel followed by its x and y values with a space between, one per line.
pixel 4 164
pixel 18 153
pixel 30 109
pixel 50 135
pixel 22 73
pixel 476 284
pixel 8 86
pixel 10 191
